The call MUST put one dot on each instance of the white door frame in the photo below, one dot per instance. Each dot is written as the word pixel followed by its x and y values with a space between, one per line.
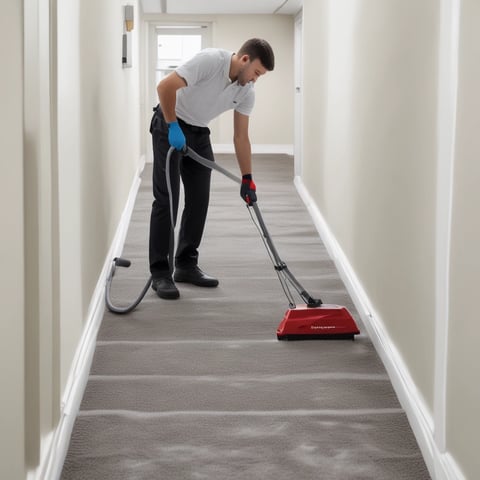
pixel 298 94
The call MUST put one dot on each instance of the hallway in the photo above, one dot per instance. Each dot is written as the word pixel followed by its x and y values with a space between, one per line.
pixel 378 103
pixel 201 388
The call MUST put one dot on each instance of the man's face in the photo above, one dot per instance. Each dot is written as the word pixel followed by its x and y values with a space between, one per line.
pixel 250 71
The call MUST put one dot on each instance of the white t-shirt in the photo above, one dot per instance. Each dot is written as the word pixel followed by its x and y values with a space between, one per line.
pixel 209 91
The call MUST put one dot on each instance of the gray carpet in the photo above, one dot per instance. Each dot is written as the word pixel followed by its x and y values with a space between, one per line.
pixel 200 388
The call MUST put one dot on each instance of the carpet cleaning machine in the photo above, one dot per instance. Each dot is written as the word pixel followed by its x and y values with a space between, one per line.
pixel 310 320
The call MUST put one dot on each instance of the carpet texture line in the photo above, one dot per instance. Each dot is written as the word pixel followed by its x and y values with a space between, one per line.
pixel 245 413
pixel 184 342
pixel 265 378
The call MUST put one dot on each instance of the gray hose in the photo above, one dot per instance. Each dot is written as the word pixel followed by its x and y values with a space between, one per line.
pixel 121 262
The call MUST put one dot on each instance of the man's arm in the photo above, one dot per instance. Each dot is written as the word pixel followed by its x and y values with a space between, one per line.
pixel 167 94
pixel 243 150
pixel 241 141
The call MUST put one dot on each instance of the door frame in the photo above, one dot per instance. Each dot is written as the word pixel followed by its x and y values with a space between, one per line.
pixel 298 94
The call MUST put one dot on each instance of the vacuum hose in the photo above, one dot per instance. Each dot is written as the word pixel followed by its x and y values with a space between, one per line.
pixel 123 262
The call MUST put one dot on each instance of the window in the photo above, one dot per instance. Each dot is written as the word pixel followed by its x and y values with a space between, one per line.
pixel 170 46
pixel 173 50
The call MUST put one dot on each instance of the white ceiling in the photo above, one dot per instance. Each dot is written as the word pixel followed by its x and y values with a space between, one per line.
pixel 222 7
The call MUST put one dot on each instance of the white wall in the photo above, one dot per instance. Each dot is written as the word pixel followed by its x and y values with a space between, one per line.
pixel 379 117
pixel 12 293
pixel 69 176
pixel 41 381
pixel 271 121
pixel 463 393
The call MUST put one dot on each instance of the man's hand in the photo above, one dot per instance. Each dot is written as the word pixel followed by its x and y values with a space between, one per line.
pixel 248 189
pixel 176 138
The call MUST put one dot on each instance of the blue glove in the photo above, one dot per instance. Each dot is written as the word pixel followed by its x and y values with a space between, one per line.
pixel 176 138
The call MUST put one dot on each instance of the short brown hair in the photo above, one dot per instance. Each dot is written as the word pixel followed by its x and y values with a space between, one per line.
pixel 261 49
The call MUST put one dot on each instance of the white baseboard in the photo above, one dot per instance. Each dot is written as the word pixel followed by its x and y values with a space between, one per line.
pixel 441 465
pixel 55 446
pixel 286 148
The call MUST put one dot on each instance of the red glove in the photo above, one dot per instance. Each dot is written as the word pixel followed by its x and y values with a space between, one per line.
pixel 248 189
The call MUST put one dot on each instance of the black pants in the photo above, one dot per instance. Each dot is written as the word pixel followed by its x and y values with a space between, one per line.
pixel 196 184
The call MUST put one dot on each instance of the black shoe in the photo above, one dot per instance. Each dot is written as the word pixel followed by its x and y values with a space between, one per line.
pixel 165 288
pixel 195 276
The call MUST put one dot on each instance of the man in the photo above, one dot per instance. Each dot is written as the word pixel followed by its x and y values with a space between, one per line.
pixel 212 82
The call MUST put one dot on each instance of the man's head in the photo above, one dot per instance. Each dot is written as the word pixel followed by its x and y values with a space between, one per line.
pixel 261 49
pixel 256 58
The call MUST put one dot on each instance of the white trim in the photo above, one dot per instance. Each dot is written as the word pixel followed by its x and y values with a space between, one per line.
pixel 298 94
pixel 440 464
pixel 55 445
pixel 446 121
pixel 284 148
pixel 448 468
